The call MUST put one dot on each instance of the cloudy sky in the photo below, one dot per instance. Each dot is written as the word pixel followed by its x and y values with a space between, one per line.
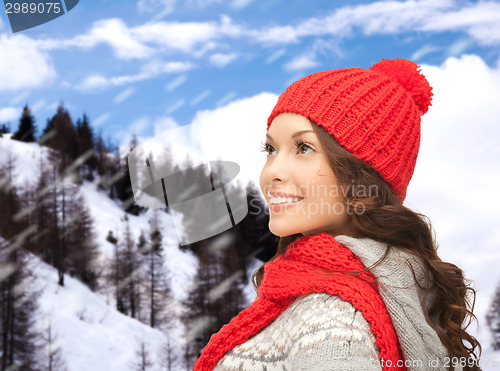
pixel 136 65
pixel 216 68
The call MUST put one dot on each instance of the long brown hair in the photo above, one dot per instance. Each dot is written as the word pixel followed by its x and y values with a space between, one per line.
pixel 385 219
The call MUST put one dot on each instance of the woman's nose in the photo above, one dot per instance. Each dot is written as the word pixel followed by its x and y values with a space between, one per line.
pixel 278 169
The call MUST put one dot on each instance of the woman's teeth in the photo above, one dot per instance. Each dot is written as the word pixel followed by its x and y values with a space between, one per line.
pixel 281 200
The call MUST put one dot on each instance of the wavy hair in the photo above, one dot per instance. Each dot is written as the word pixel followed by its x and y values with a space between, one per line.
pixel 385 219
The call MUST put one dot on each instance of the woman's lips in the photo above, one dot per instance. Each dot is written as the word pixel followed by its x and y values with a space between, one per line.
pixel 282 206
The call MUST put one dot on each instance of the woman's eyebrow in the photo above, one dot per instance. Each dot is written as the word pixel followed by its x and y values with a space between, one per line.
pixel 298 133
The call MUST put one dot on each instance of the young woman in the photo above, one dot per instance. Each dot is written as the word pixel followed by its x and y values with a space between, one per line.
pixel 356 283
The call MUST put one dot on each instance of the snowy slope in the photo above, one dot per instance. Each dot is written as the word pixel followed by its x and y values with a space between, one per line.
pixel 94 336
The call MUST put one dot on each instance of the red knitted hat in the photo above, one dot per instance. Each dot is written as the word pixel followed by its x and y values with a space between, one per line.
pixel 374 113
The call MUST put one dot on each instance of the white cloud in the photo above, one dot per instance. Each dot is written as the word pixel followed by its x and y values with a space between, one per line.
pixel 479 20
pixel 301 62
pixel 23 65
pixel 458 169
pixel 221 60
pixel 163 124
pixel 183 36
pixel 234 132
pixel 147 40
pixel 381 17
pixel 276 35
pixel 10 114
pixel 151 69
pixel 114 32
pixel 93 81
pixel 186 36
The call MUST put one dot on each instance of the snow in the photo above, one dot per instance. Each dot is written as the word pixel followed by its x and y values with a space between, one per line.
pixel 95 336
pixel 92 334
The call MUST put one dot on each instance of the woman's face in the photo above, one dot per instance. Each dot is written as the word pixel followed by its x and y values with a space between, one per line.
pixel 298 183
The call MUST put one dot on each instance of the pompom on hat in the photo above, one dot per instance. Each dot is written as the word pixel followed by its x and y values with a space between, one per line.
pixel 373 113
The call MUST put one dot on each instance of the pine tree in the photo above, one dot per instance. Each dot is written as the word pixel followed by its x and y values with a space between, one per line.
pixel 63 139
pixel 19 340
pixel 9 200
pixel 83 251
pixel 67 193
pixel 168 356
pixel 53 355
pixel 127 269
pixel 86 147
pixel 18 308
pixel 107 164
pixel 157 281
pixel 114 274
pixel 216 296
pixel 493 319
pixel 4 129
pixel 44 214
pixel 27 128
pixel 52 203
pixel 144 361
pixel 101 153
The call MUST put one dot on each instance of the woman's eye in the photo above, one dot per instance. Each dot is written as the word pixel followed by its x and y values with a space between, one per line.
pixel 267 148
pixel 304 148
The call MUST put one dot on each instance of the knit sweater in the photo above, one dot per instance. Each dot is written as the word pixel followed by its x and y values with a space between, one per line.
pixel 318 328
pixel 317 332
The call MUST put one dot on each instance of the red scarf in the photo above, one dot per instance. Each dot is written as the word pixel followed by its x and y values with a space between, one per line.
pixel 304 268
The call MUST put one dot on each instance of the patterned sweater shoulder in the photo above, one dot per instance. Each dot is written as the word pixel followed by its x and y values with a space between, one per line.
pixel 317 332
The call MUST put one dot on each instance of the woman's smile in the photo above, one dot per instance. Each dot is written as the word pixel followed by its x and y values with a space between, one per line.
pixel 297 180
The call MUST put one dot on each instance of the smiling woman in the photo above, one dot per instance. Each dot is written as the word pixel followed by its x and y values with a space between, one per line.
pixel 298 182
pixel 356 282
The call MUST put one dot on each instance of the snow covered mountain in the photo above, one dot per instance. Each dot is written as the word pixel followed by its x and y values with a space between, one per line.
pixel 94 336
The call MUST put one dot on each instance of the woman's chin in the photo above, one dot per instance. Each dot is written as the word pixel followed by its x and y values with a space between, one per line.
pixel 283 230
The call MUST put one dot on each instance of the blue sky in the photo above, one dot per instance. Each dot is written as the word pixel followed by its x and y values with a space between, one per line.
pixel 128 64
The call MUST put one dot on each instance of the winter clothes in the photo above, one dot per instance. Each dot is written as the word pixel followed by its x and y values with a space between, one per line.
pixel 314 312
pixel 373 113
